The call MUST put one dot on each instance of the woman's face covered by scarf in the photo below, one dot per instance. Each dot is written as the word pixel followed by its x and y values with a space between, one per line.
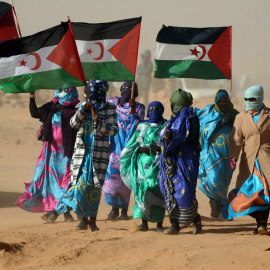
pixel 221 100
pixel 155 111
pixel 180 99
pixel 97 91
pixel 69 96
pixel 254 98
pixel 126 92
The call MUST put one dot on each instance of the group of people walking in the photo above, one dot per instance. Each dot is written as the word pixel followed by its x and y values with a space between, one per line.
pixel 105 145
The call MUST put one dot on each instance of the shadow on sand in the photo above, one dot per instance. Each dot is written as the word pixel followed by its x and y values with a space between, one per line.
pixel 8 199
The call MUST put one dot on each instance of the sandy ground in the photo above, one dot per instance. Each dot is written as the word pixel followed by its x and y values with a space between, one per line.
pixel 26 242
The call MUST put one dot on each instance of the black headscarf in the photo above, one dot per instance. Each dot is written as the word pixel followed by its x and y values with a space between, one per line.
pixel 126 92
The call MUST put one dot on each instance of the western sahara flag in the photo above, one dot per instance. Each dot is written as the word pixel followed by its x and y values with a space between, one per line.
pixel 108 51
pixel 202 53
pixel 8 28
pixel 45 60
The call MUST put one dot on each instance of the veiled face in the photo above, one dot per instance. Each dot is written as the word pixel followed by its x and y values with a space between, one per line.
pixel 222 104
pixel 62 92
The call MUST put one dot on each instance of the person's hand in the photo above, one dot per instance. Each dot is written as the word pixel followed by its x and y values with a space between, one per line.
pixel 233 163
pixel 168 134
pixel 32 94
pixel 95 119
pixel 145 150
pixel 87 107
pixel 132 104
pixel 155 148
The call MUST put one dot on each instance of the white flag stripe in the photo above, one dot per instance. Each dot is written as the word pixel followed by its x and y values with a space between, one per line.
pixel 91 51
pixel 176 52
pixel 11 66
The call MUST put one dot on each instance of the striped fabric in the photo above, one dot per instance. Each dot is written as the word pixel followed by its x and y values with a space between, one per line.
pixel 107 127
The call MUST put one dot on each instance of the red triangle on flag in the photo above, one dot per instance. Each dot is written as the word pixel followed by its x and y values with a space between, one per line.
pixel 66 56
pixel 221 53
pixel 126 49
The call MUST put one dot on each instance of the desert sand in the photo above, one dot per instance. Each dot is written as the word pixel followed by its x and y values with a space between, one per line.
pixel 26 242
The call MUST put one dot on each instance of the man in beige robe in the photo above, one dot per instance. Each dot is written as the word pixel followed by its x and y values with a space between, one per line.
pixel 251 134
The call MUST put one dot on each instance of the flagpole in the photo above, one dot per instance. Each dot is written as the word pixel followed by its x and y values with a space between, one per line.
pixel 81 69
pixel 132 110
pixel 231 90
pixel 16 19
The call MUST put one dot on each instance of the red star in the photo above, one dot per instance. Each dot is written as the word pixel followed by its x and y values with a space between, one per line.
pixel 23 63
pixel 89 51
pixel 194 52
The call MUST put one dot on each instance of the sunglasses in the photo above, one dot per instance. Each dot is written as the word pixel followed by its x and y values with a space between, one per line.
pixel 157 109
pixel 250 99
pixel 64 90
pixel 124 88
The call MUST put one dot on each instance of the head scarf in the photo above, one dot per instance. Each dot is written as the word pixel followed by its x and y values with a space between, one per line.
pixel 223 93
pixel 66 97
pixel 97 91
pixel 155 116
pixel 180 99
pixel 257 92
pixel 126 92
pixel 64 101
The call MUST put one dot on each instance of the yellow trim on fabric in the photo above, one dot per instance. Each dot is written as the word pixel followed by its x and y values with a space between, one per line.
pixel 217 162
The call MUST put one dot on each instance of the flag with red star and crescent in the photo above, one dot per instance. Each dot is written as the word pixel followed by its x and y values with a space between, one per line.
pixel 45 60
pixel 201 53
pixel 108 51
pixel 8 28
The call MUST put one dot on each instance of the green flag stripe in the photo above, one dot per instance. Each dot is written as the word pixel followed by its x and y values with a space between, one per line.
pixel 108 71
pixel 53 79
pixel 187 69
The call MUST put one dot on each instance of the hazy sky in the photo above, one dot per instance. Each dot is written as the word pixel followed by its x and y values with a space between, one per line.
pixel 250 20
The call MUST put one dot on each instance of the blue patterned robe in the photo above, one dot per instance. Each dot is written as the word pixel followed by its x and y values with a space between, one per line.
pixel 179 164
pixel 215 172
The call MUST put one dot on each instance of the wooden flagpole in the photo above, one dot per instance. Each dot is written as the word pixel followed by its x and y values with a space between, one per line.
pixel 132 110
pixel 231 90
pixel 132 89
pixel 81 69
pixel 16 19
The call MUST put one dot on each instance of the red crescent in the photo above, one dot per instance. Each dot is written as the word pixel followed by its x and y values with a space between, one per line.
pixel 101 50
pixel 203 53
pixel 38 61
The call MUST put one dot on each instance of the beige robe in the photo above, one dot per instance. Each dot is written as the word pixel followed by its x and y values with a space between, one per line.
pixel 254 141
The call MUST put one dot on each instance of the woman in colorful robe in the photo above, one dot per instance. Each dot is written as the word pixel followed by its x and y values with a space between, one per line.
pixel 179 164
pixel 115 192
pixel 52 173
pixel 139 166
pixel 251 134
pixel 91 155
pixel 215 173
